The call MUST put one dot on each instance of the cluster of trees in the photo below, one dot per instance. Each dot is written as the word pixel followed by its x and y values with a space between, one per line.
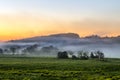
pixel 36 49
pixel 30 49
pixel 49 49
pixel 97 54
pixel 81 55
pixel 53 50
pixel 26 50
pixel 11 49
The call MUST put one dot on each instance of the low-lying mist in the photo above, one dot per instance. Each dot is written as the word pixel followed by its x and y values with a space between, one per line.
pixel 51 50
pixel 110 51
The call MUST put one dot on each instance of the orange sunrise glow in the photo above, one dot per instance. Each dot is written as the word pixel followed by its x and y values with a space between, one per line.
pixel 18 21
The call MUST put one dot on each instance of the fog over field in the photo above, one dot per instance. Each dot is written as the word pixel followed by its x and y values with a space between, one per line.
pixel 110 50
pixel 50 45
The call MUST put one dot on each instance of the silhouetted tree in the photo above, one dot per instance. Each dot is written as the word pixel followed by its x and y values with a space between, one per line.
pixel 80 54
pixel 83 54
pixel 100 55
pixel 97 54
pixel 30 49
pixel 92 55
pixel 1 51
pixel 6 51
pixel 49 49
pixel 63 55
pixel 74 57
pixel 13 50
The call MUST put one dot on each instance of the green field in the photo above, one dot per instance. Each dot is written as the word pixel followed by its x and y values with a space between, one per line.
pixel 34 68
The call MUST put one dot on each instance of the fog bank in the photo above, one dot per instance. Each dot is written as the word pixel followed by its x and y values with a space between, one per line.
pixel 110 50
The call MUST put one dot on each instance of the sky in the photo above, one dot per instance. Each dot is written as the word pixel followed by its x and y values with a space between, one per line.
pixel 27 18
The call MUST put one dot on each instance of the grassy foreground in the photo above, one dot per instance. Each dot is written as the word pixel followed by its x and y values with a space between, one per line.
pixel 24 68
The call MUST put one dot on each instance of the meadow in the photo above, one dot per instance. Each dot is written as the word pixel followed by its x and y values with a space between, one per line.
pixel 37 68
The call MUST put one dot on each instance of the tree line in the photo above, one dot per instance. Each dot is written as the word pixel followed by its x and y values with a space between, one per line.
pixel 84 55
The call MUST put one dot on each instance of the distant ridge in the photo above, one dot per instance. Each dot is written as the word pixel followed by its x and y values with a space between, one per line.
pixel 70 38
pixel 49 37
pixel 67 35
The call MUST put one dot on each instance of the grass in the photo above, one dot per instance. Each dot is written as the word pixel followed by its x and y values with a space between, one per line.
pixel 35 68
